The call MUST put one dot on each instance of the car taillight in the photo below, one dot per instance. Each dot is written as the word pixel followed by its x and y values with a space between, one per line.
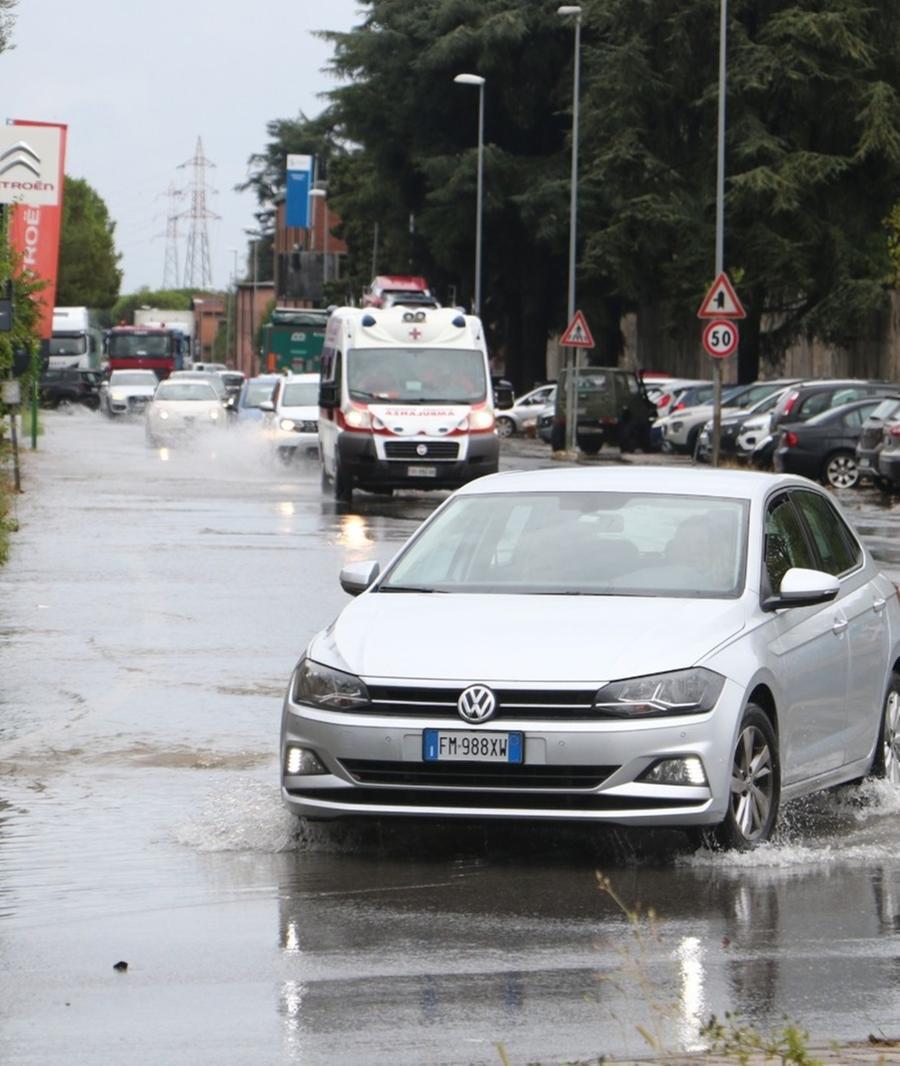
pixel 789 402
pixel 664 399
pixel 790 439
pixel 678 407
pixel 894 431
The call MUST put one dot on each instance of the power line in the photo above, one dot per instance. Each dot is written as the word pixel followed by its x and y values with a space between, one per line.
pixel 173 216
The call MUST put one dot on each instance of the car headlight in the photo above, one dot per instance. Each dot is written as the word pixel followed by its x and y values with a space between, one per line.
pixel 676 426
pixel 286 424
pixel 332 689
pixel 214 415
pixel 163 414
pixel 678 692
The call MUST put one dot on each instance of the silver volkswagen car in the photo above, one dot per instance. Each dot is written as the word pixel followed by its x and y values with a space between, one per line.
pixel 635 646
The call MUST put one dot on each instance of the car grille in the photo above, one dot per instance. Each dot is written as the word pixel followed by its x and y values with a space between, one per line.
pixel 597 802
pixel 306 427
pixel 409 449
pixel 475 775
pixel 558 704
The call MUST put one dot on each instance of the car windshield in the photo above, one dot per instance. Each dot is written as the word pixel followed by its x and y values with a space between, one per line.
pixel 579 543
pixel 257 392
pixel 132 378
pixel 416 375
pixel 185 390
pixel 300 394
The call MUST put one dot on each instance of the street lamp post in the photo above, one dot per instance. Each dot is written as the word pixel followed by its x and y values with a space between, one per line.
pixel 571 383
pixel 321 194
pixel 230 313
pixel 720 216
pixel 476 79
pixel 255 235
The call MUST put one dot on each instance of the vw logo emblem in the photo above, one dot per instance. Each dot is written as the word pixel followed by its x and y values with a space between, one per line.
pixel 421 449
pixel 476 704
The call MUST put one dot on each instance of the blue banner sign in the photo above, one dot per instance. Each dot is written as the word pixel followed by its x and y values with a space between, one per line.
pixel 299 182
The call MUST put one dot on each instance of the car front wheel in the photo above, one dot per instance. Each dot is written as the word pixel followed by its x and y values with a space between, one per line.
pixel 755 784
pixel 887 751
pixel 841 470
pixel 505 427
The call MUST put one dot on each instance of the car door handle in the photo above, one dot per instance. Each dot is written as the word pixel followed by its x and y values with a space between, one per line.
pixel 878 605
pixel 840 624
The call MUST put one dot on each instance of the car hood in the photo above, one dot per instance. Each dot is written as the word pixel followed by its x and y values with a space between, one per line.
pixel 430 420
pixel 522 638
pixel 122 392
pixel 182 408
pixel 300 414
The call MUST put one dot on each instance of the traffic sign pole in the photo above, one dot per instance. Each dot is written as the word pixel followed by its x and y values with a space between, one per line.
pixel 576 337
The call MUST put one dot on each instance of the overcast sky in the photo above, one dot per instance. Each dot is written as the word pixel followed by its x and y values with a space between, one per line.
pixel 137 81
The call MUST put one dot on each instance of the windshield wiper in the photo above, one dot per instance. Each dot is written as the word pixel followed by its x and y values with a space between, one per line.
pixel 405 588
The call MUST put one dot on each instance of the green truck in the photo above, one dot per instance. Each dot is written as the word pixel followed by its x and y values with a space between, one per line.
pixel 292 340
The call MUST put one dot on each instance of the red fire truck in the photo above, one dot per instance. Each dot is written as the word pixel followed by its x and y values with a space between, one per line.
pixel 159 349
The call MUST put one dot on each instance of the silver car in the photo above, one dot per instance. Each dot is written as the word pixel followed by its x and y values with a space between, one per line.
pixel 181 408
pixel 526 411
pixel 639 646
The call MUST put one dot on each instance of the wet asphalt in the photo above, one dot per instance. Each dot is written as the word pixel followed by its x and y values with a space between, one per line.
pixel 150 614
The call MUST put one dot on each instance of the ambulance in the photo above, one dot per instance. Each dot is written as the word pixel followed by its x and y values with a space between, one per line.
pixel 405 400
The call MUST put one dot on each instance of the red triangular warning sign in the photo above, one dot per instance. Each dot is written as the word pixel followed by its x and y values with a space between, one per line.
pixel 577 334
pixel 722 301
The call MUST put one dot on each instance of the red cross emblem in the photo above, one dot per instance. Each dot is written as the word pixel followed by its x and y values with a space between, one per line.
pixel 415 333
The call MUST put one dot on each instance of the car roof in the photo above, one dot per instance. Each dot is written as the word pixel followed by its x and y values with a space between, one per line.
pixel 735 484
pixel 301 377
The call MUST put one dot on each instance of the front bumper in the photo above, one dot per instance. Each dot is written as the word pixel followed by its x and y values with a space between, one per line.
pixel 478 454
pixel 574 770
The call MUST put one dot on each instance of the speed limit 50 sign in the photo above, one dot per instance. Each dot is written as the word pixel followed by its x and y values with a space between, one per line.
pixel 720 338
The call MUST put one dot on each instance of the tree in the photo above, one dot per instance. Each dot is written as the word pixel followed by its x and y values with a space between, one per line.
pixel 89 275
pixel 813 161
pixel 166 299
pixel 6 23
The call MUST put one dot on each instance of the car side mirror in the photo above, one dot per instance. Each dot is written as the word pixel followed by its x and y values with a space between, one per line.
pixel 803 588
pixel 328 395
pixel 267 406
pixel 357 577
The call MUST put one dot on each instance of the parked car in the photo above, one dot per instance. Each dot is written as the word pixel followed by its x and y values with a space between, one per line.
pixel 254 392
pixel 181 408
pixel 777 680
pixel 824 447
pixel 809 398
pixel 526 410
pixel 64 386
pixel 291 417
pixel 889 457
pixel 127 392
pixel 871 438
pixel 677 393
pixel 681 429
pixel 739 430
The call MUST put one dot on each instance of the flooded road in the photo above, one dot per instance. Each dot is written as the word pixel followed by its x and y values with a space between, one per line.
pixel 150 615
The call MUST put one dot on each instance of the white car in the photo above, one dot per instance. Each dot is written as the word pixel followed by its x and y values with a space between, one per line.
pixel 526 411
pixel 127 392
pixel 291 417
pixel 721 642
pixel 182 408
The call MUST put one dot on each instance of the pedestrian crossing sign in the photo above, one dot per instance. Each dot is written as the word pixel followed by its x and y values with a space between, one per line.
pixel 577 334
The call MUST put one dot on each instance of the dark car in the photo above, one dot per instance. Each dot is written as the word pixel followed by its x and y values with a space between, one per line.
pixel 810 398
pixel 871 439
pixel 824 448
pixel 889 457
pixel 61 386
pixel 612 407
pixel 504 394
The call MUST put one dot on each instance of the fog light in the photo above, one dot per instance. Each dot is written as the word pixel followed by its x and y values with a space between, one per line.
pixel 303 761
pixel 686 771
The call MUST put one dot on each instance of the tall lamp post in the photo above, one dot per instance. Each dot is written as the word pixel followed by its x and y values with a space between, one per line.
pixel 321 194
pixel 231 314
pixel 255 235
pixel 571 384
pixel 476 79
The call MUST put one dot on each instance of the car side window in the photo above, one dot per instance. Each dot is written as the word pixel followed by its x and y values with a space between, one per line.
pixel 835 544
pixel 785 542
pixel 812 405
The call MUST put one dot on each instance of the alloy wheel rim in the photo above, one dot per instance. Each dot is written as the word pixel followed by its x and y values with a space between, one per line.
pixel 504 427
pixel 891 741
pixel 752 783
pixel 842 472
